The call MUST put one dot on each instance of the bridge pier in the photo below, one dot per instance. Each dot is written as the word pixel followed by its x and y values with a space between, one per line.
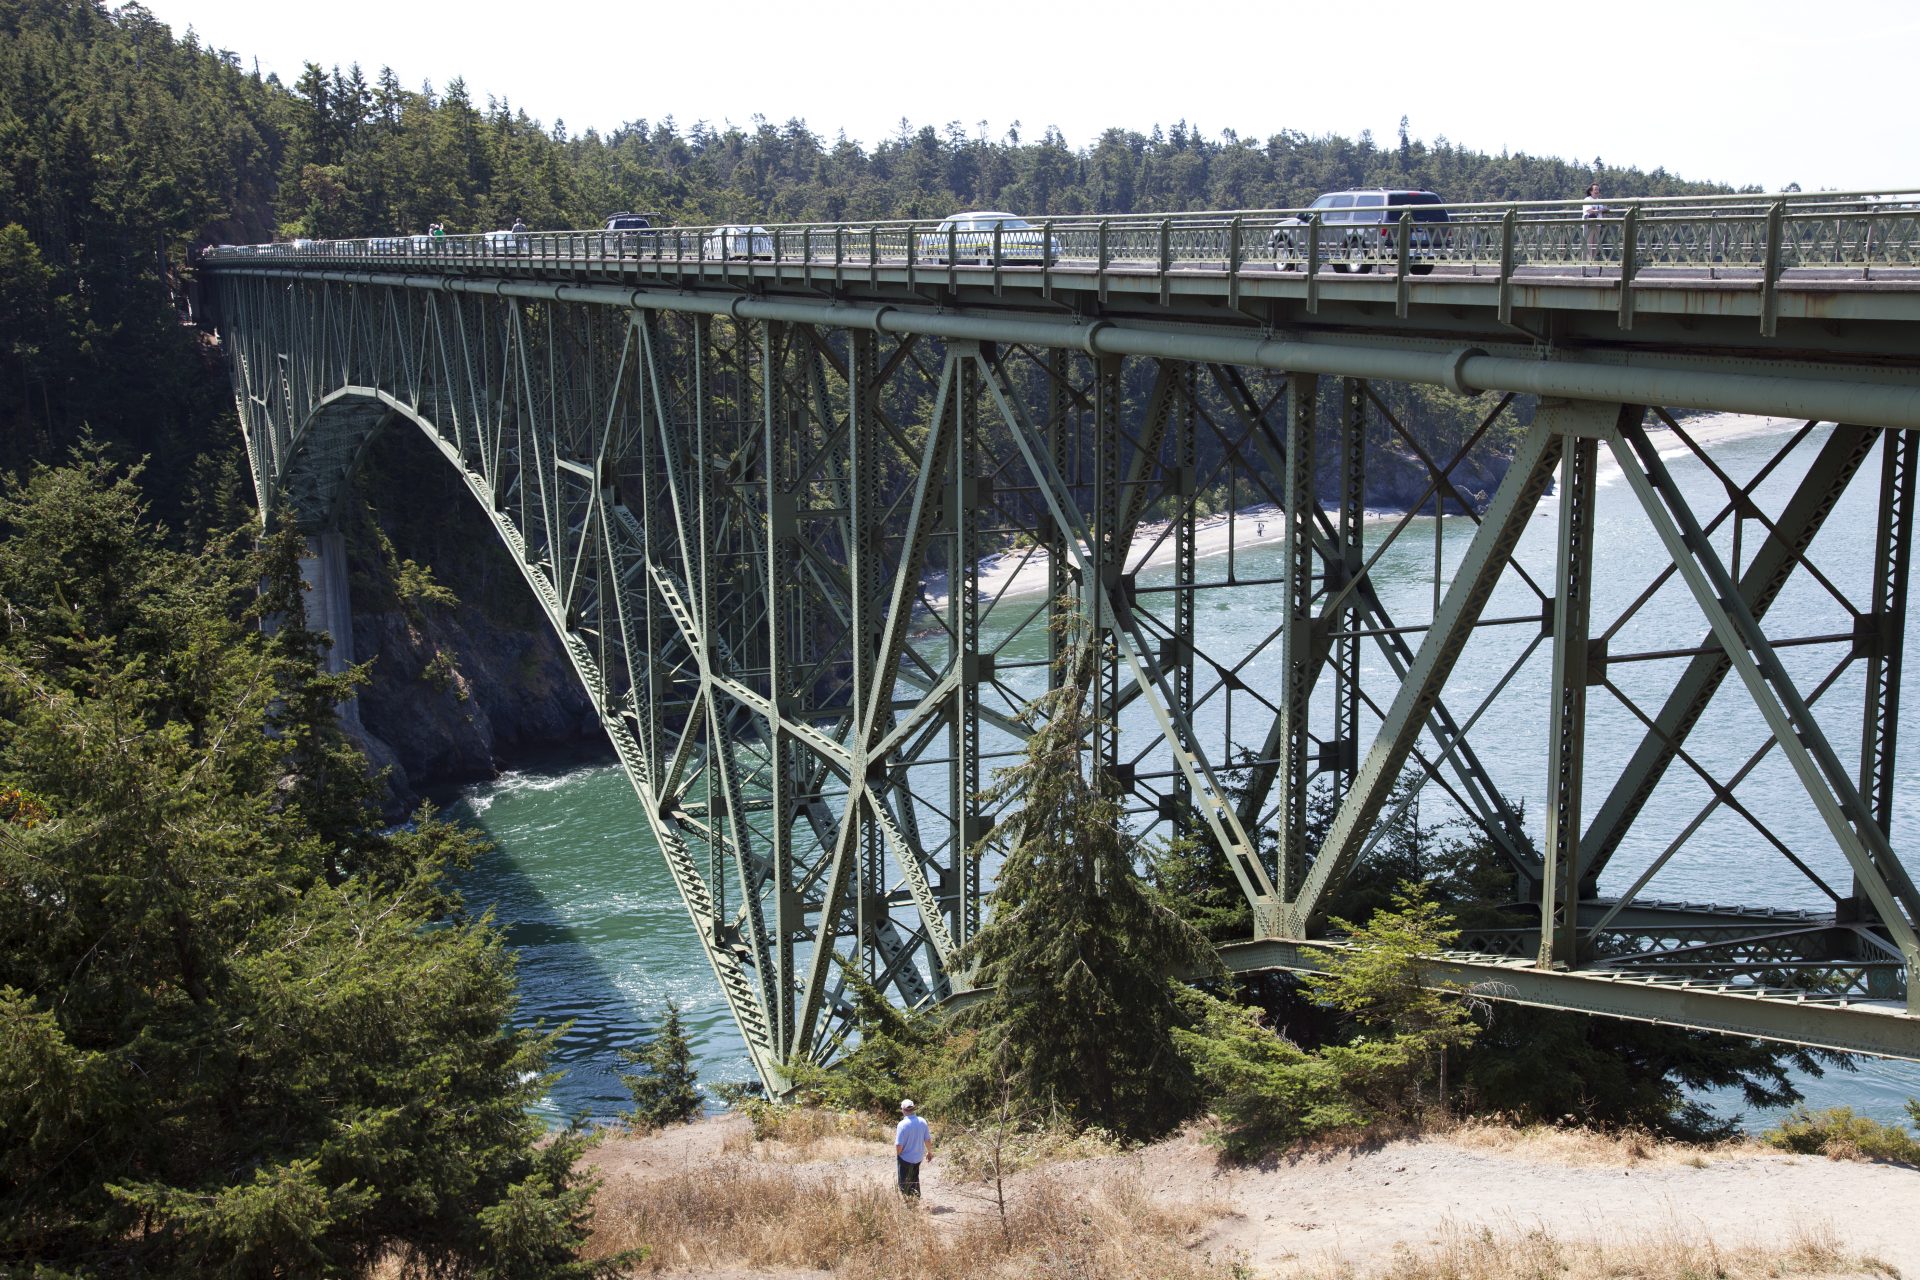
pixel 323 573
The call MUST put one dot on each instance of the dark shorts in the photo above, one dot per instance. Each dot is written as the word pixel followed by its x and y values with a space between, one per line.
pixel 907 1174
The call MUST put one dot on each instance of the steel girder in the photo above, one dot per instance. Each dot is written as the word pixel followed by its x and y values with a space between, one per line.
pixel 761 538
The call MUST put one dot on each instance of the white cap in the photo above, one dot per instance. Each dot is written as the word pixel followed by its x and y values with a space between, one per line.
pixel 906 1104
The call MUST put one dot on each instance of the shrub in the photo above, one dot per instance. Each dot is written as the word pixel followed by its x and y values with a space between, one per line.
pixel 1839 1134
pixel 663 1089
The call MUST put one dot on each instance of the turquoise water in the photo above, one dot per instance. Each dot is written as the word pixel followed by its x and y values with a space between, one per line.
pixel 603 940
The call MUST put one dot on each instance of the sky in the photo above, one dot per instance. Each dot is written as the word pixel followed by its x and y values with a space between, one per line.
pixel 1762 92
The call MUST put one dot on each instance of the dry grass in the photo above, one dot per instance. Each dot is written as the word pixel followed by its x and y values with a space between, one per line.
pixel 1580 1145
pixel 786 1135
pixel 731 1216
pixel 1675 1254
pixel 969 1153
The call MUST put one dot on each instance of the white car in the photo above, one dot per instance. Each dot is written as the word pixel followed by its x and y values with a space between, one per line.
pixel 737 241
pixel 504 242
pixel 969 237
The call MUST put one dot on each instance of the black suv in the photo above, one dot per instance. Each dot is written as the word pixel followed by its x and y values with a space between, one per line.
pixel 626 234
pixel 1360 228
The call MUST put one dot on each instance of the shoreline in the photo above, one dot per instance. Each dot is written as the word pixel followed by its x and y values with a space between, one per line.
pixel 1023 572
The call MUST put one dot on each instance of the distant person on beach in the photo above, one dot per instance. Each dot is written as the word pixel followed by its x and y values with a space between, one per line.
pixel 1260 528
pixel 912 1147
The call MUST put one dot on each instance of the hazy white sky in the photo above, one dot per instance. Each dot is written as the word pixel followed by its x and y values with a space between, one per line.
pixel 1760 91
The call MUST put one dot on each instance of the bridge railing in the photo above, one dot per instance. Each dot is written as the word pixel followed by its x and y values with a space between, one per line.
pixel 1766 234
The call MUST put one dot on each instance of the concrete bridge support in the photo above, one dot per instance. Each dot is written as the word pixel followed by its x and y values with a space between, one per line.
pixel 323 570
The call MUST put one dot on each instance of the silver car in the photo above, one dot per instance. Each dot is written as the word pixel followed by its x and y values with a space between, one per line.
pixel 970 237
pixel 737 240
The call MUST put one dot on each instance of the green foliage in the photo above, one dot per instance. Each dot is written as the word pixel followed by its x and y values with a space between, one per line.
pixel 1839 1133
pixel 243 1029
pixel 1537 1065
pixel 663 1088
pixel 1193 879
pixel 1266 1091
pixel 901 1054
pixel 1076 949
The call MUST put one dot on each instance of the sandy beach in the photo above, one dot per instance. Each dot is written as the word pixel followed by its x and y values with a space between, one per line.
pixel 1023 572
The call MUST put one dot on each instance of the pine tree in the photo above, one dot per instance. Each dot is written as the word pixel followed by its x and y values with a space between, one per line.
pixel 1407 1023
pixel 1079 955
pixel 664 1091
pixel 242 1031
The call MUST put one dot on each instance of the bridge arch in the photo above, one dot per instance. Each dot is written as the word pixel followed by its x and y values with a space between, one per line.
pixel 324 456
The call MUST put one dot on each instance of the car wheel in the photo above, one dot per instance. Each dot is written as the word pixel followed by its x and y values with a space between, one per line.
pixel 1421 268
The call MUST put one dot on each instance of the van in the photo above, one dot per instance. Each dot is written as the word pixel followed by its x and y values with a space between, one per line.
pixel 1360 228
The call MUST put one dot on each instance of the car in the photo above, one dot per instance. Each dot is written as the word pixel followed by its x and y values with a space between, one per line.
pixel 503 242
pixel 969 237
pixel 386 244
pixel 1361 228
pixel 737 241
pixel 624 235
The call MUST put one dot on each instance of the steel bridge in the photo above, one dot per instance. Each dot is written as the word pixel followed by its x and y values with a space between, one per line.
pixel 759 498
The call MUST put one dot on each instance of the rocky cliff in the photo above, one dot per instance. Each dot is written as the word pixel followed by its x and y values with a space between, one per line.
pixel 466 675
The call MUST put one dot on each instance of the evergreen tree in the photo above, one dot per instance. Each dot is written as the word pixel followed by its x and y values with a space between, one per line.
pixel 1407 1022
pixel 663 1089
pixel 240 1033
pixel 1079 956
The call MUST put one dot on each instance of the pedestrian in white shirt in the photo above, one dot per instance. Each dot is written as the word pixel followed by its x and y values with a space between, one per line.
pixel 1592 209
pixel 912 1147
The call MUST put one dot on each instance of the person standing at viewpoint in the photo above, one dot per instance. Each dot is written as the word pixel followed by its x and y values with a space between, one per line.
pixel 1592 209
pixel 912 1147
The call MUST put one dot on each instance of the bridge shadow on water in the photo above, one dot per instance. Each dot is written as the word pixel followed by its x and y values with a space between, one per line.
pixel 598 931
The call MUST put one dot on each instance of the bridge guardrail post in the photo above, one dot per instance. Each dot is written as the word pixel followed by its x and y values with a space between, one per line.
pixel 1770 270
pixel 1313 263
pixel 1233 262
pixel 1403 254
pixel 1046 258
pixel 1166 260
pixel 1100 258
pixel 1629 249
pixel 1506 266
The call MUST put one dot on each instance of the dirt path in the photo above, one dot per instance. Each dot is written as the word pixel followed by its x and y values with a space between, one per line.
pixel 1359 1206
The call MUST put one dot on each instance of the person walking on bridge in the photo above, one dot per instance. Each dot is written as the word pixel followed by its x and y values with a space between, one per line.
pixel 912 1147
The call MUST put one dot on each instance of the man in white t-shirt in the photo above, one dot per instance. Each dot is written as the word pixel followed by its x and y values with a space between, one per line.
pixel 912 1146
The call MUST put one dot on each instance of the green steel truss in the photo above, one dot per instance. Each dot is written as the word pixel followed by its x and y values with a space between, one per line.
pixel 758 522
